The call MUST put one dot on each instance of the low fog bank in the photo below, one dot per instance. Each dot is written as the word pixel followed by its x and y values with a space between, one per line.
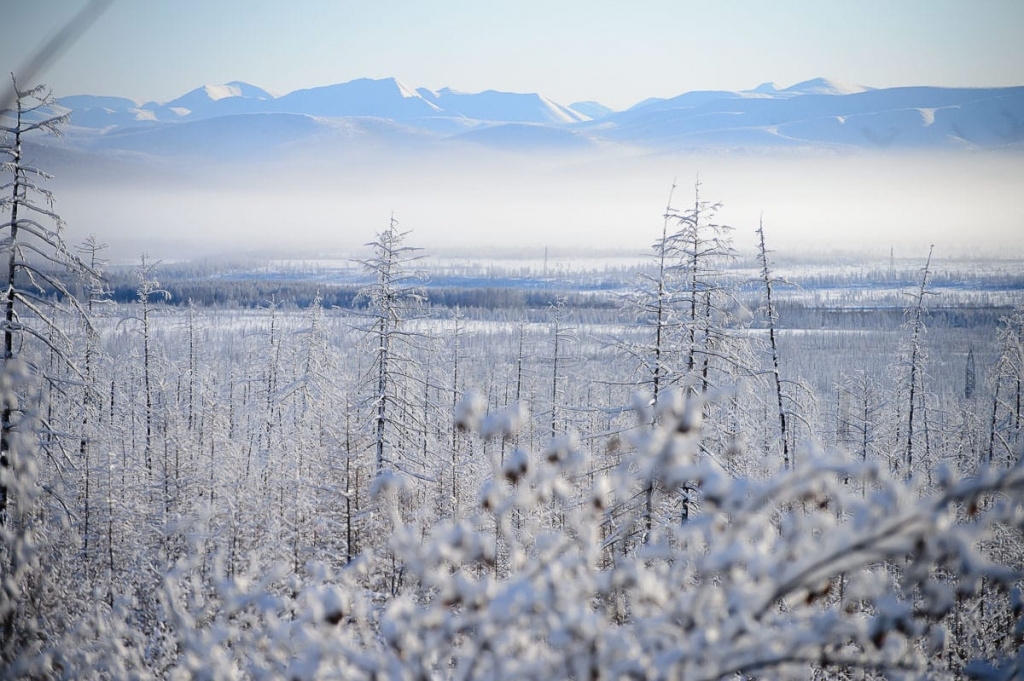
pixel 611 200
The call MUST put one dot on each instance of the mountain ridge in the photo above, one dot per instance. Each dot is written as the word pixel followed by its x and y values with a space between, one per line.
pixel 817 113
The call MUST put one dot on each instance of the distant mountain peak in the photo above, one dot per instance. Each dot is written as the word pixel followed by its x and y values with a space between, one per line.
pixel 403 89
pixel 378 98
pixel 498 106
pixel 218 92
pixel 201 97
pixel 243 89
pixel 822 86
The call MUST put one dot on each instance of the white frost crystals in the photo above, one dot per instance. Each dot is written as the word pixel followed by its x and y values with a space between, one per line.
pixel 830 565
pixel 769 578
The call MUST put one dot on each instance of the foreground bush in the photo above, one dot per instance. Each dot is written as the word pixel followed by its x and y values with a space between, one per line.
pixel 831 566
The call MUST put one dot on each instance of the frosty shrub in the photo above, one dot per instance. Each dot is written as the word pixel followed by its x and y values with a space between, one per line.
pixel 804 571
pixel 830 567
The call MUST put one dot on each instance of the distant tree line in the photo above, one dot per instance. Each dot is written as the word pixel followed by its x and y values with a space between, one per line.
pixel 253 292
pixel 186 286
pixel 801 315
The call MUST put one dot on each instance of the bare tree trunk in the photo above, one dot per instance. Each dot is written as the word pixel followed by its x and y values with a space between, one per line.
pixel 992 424
pixel 191 365
pixel 694 281
pixel 969 375
pixel 272 378
pixel 91 249
pixel 382 396
pixel 661 302
pixel 915 352
pixel 110 533
pixel 455 431
pixel 348 488
pixel 1017 409
pixel 559 308
pixel 659 331
pixel 9 318
pixel 766 275
pixel 146 383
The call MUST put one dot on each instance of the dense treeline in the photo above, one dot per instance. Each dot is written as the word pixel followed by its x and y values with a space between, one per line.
pixel 250 291
pixel 241 291
pixel 798 315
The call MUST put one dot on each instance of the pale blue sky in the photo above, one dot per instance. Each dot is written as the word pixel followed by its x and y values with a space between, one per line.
pixel 615 52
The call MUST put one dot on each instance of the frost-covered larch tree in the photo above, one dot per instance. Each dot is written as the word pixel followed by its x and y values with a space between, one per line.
pixel 390 300
pixel 37 262
pixel 914 364
pixel 772 316
pixel 703 246
pixel 653 305
pixel 38 269
pixel 1007 378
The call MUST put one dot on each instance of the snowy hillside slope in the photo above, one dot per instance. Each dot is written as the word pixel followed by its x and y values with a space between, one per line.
pixel 246 136
pixel 211 101
pixel 903 117
pixel 387 98
pixel 505 107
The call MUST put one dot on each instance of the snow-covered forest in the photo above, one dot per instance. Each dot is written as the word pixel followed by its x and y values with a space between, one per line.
pixel 716 463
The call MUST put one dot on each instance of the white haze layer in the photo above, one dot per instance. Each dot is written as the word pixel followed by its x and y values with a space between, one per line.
pixel 967 202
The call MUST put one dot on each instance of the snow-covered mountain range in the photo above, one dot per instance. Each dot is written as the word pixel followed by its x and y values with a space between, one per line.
pixel 239 119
